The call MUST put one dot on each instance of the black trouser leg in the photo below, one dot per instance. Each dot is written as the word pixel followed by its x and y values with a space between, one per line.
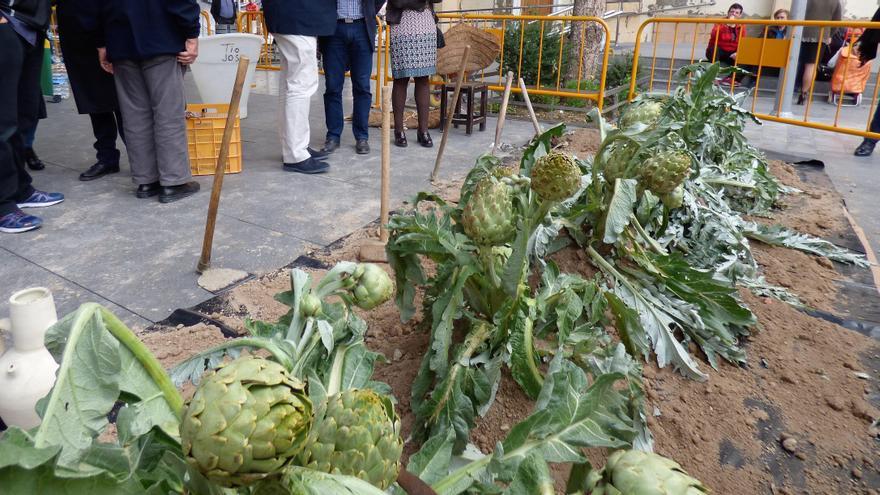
pixel 104 127
pixel 14 58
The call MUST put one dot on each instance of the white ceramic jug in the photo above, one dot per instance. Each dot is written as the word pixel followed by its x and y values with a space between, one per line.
pixel 27 370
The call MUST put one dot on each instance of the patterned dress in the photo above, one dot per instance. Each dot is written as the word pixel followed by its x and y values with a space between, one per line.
pixel 414 45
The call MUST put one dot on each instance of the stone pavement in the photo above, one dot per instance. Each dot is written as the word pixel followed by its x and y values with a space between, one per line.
pixel 138 257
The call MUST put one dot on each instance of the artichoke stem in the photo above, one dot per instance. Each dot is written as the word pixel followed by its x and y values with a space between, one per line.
pixel 653 244
pixel 145 358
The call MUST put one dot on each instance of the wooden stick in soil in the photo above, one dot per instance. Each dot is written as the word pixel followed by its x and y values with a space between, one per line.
pixel 386 163
pixel 451 110
pixel 502 112
pixel 371 250
pixel 525 93
pixel 220 171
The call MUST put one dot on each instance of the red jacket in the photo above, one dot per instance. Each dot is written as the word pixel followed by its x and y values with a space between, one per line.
pixel 727 37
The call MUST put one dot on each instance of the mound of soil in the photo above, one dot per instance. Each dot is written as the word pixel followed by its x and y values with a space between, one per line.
pixel 796 419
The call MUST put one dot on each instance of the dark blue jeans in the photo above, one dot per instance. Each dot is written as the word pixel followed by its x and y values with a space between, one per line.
pixel 348 49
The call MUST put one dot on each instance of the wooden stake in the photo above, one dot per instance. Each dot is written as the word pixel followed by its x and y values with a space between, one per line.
pixel 386 163
pixel 502 112
pixel 451 111
pixel 220 171
pixel 373 250
pixel 525 93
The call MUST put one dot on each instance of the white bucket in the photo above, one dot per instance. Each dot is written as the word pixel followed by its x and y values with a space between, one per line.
pixel 214 69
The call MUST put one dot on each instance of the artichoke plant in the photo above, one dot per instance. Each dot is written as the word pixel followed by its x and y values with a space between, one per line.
pixel 665 170
pixel 619 154
pixel 634 472
pixel 674 199
pixel 246 420
pixel 555 177
pixel 372 286
pixel 359 436
pixel 645 112
pixel 488 217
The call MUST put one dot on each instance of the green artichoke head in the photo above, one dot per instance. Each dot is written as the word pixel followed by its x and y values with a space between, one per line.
pixel 556 177
pixel 619 155
pixel 310 305
pixel 372 286
pixel 246 420
pixel 665 170
pixel 634 472
pixel 359 436
pixel 646 112
pixel 674 199
pixel 489 216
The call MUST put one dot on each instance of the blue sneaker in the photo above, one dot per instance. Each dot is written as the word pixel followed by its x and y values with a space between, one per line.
pixel 19 221
pixel 40 199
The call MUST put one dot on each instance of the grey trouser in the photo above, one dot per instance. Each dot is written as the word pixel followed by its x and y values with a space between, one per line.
pixel 153 105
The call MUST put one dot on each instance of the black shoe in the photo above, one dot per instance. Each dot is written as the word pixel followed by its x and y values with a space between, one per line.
pixel 98 170
pixel 147 190
pixel 330 146
pixel 169 194
pixel 32 160
pixel 866 148
pixel 307 166
pixel 400 139
pixel 425 139
pixel 317 154
pixel 362 147
pixel 800 99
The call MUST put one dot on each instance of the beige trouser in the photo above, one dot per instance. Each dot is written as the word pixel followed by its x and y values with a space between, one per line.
pixel 299 81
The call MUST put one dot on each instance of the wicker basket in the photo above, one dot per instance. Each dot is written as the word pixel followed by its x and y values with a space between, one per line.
pixel 485 47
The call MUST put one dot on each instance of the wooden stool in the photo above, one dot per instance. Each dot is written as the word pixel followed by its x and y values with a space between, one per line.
pixel 469 91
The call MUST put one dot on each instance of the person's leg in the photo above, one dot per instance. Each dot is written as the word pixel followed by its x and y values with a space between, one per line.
pixel 30 99
pixel 104 129
pixel 398 101
pixel 137 111
pixel 119 127
pixel 868 144
pixel 164 80
pixel 300 83
pixel 423 102
pixel 30 135
pixel 361 56
pixel 11 59
pixel 334 53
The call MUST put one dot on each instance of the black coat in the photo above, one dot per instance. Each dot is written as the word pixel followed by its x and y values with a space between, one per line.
pixel 34 13
pixel 302 17
pixel 394 11
pixel 369 9
pixel 92 87
pixel 215 9
pixel 869 40
pixel 143 29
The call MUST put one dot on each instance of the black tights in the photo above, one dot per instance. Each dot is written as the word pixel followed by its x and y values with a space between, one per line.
pixel 423 101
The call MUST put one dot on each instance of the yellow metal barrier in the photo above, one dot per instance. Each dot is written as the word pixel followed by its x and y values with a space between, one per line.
pixel 500 24
pixel 206 22
pixel 757 54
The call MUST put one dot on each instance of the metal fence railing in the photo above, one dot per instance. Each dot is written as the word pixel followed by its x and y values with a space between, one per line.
pixel 760 53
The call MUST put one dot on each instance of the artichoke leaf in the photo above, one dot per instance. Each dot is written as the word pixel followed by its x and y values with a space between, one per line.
pixel 620 209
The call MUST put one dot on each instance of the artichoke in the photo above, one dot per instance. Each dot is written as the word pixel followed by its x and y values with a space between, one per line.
pixel 246 420
pixel 556 177
pixel 359 436
pixel 310 305
pixel 633 472
pixel 674 199
pixel 645 112
pixel 619 155
pixel 372 286
pixel 488 217
pixel 665 171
